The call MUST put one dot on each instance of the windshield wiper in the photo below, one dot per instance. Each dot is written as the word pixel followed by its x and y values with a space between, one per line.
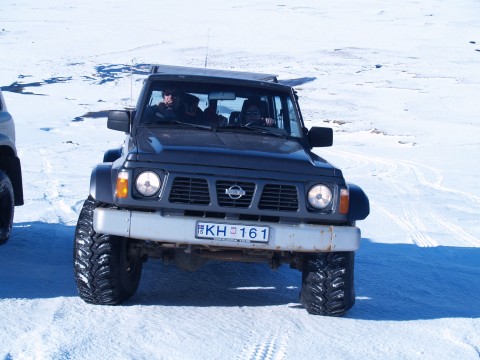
pixel 255 129
pixel 177 122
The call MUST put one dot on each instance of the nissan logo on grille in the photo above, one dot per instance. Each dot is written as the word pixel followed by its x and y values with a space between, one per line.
pixel 235 192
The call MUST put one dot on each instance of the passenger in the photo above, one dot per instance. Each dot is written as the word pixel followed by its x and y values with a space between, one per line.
pixel 251 114
pixel 167 110
pixel 193 114
pixel 212 118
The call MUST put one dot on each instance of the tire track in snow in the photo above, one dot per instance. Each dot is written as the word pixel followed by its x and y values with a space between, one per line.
pixel 396 169
pixel 408 215
pixel 454 229
pixel 408 180
pixel 270 346
pixel 37 338
pixel 405 223
pixel 49 182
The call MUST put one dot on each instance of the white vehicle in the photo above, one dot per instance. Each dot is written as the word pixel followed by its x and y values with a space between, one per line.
pixel 11 190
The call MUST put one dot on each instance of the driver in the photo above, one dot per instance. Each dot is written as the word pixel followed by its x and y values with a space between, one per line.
pixel 250 114
pixel 168 109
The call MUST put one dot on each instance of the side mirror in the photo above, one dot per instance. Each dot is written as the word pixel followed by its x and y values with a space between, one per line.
pixel 119 120
pixel 320 137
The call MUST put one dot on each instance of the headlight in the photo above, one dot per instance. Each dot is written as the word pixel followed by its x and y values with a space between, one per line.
pixel 147 183
pixel 320 196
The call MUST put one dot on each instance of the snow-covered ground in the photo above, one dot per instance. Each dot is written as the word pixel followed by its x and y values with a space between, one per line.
pixel 398 81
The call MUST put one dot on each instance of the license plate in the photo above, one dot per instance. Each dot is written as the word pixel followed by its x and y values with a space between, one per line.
pixel 240 233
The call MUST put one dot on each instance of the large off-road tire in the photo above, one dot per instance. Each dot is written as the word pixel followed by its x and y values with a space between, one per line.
pixel 6 207
pixel 105 273
pixel 327 283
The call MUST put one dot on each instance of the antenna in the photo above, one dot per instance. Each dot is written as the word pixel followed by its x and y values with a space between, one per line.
pixel 208 43
pixel 131 85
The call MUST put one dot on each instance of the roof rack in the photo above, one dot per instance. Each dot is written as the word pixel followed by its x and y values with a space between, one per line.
pixel 184 70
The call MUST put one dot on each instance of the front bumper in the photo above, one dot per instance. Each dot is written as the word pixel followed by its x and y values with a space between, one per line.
pixel 181 230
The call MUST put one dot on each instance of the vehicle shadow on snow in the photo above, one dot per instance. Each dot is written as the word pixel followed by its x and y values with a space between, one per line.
pixel 406 282
pixel 37 261
pixel 393 281
pixel 396 282
pixel 218 284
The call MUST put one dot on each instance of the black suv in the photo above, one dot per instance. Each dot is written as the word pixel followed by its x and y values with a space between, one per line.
pixel 11 190
pixel 236 182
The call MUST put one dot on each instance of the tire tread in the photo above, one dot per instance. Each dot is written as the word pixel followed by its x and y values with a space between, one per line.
pixel 327 283
pixel 99 275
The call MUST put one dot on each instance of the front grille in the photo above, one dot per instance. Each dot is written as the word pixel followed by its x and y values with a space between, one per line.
pixel 195 191
pixel 189 191
pixel 279 197
pixel 225 200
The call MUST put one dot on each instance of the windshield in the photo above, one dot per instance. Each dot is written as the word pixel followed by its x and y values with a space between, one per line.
pixel 221 107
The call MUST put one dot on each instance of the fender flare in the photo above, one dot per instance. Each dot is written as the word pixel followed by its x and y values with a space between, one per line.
pixel 359 207
pixel 112 155
pixel 102 183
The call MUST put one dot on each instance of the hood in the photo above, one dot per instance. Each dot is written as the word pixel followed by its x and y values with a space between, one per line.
pixel 233 149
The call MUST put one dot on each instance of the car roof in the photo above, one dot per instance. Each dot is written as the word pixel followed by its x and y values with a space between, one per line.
pixel 212 73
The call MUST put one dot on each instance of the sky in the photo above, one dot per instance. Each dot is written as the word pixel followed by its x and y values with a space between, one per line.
pixel 398 82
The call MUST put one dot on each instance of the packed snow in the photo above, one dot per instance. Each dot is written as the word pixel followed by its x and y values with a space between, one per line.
pixel 399 83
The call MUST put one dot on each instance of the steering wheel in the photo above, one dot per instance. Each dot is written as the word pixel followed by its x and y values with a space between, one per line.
pixel 256 123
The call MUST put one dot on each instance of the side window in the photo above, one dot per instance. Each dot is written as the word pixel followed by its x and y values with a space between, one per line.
pixel 277 103
pixel 155 98
pixel 292 116
pixel 203 103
